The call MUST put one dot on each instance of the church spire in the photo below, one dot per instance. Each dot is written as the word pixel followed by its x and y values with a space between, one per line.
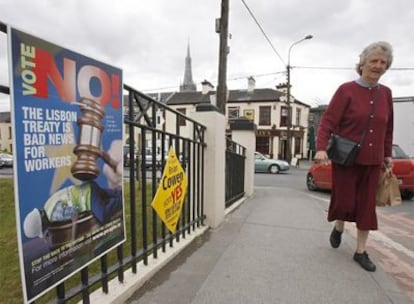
pixel 188 85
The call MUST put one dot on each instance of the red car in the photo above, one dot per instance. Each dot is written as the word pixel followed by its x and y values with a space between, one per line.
pixel 319 175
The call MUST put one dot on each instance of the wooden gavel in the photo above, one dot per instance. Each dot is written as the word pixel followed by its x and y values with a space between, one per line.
pixel 88 149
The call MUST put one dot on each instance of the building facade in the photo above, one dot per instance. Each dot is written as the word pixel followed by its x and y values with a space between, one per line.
pixel 265 107
pixel 6 140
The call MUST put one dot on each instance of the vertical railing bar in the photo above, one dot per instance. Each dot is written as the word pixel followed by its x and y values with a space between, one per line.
pixel 163 232
pixel 177 151
pixel 202 183
pixel 154 183
pixel 132 193
pixel 199 193
pixel 120 256
pixel 104 273
pixel 171 139
pixel 182 216
pixel 195 170
pixel 85 287
pixel 144 201
pixel 60 293
pixel 189 186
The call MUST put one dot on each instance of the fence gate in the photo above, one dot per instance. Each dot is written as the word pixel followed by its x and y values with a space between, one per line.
pixel 235 164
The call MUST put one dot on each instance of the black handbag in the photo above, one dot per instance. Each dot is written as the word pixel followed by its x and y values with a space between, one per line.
pixel 343 151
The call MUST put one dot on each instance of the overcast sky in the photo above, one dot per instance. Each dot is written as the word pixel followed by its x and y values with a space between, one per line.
pixel 148 40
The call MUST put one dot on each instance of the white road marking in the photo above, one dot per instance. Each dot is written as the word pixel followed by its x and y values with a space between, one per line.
pixel 379 236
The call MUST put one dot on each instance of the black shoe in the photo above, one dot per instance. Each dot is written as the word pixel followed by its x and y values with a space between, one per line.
pixel 335 238
pixel 363 260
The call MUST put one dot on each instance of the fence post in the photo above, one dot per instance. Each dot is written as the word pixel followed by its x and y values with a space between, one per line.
pixel 214 162
pixel 243 132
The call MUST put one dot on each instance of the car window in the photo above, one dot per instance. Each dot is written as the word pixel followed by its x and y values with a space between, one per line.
pixel 259 156
pixel 398 153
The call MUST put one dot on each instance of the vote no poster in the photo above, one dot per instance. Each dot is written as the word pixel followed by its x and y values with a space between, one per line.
pixel 67 132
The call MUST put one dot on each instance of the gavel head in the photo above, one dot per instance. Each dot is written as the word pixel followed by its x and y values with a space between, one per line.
pixel 88 149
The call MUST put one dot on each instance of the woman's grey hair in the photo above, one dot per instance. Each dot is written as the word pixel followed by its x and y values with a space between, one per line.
pixel 380 45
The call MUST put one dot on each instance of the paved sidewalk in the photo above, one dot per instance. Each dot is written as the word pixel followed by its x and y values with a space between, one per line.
pixel 273 249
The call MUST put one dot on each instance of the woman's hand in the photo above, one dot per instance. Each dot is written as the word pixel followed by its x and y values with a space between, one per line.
pixel 321 156
pixel 388 162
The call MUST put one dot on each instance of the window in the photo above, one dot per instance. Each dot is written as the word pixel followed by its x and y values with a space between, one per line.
pixel 264 115
pixel 233 112
pixel 298 113
pixel 284 116
pixel 10 133
pixel 181 120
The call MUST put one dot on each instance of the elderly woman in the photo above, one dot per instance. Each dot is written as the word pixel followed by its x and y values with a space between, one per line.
pixel 349 114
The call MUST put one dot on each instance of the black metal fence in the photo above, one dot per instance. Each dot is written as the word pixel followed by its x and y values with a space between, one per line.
pixel 235 164
pixel 148 138
pixel 147 235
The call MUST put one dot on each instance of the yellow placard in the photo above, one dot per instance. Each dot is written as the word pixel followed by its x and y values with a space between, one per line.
pixel 169 199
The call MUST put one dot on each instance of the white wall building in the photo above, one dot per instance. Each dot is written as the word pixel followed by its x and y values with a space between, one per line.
pixel 404 124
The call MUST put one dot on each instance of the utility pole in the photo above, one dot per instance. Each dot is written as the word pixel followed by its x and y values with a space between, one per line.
pixel 222 27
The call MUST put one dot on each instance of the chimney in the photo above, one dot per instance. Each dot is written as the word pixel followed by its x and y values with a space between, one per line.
pixel 206 87
pixel 251 83
pixel 282 87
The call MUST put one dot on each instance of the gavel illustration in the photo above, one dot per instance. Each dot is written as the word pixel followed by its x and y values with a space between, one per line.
pixel 88 149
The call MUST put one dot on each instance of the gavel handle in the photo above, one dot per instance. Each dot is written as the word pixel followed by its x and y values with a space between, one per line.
pixel 109 160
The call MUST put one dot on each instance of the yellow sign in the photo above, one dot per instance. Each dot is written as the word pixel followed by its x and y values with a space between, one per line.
pixel 169 199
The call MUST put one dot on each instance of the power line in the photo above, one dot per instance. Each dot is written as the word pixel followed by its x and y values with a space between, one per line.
pixel 263 32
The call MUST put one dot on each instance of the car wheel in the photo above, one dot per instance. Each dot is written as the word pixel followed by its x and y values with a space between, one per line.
pixel 407 195
pixel 274 169
pixel 310 183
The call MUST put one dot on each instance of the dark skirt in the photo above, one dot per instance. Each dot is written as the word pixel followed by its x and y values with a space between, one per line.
pixel 353 195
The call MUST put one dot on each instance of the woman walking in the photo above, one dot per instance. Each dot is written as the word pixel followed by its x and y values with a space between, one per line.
pixel 348 115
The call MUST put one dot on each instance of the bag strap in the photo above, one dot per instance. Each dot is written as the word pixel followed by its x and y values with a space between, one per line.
pixel 374 103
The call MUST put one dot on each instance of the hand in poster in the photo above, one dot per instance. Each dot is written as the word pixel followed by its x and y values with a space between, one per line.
pixel 113 166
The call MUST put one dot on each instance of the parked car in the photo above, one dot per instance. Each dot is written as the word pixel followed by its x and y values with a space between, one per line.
pixel 319 175
pixel 6 160
pixel 265 164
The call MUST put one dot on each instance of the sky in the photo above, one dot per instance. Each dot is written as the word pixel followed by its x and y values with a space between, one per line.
pixel 148 40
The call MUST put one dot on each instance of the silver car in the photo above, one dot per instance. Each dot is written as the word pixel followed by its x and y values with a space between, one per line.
pixel 265 164
pixel 6 160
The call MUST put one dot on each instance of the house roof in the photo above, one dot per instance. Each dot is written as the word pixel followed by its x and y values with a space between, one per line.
pixel 257 95
pixel 181 98
pixel 161 97
pixel 235 96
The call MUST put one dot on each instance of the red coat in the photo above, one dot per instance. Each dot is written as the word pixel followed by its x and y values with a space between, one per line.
pixel 347 115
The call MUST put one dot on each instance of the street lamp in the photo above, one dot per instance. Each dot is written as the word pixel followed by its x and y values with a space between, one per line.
pixel 289 139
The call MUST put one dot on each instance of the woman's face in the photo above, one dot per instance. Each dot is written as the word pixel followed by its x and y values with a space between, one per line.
pixel 374 66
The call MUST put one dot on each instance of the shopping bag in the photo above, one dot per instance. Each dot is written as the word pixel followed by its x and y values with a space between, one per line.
pixel 388 191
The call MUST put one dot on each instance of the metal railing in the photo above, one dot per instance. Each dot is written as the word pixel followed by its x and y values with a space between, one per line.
pixel 235 165
pixel 146 234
